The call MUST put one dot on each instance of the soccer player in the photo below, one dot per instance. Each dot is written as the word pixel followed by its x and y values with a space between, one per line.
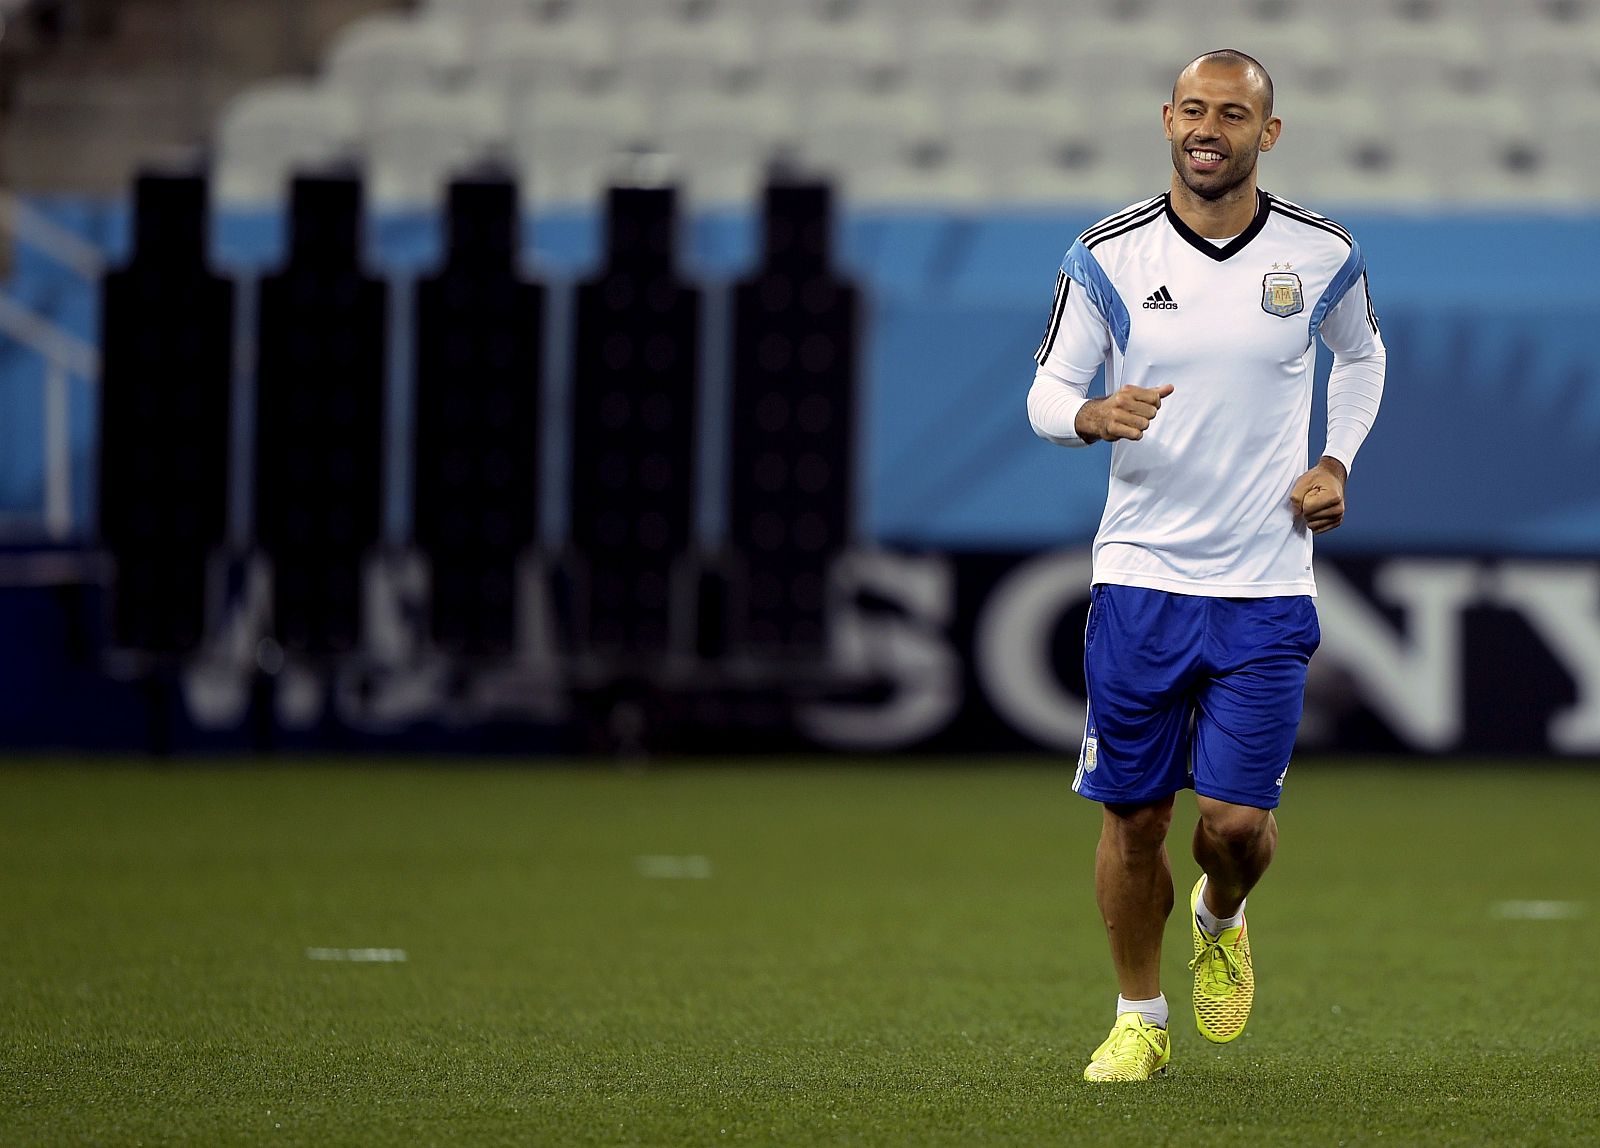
pixel 1204 306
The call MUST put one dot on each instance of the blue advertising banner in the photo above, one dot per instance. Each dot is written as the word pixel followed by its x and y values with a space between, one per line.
pixel 929 651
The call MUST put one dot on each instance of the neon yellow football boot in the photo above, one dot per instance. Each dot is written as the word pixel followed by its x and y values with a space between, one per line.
pixel 1135 1050
pixel 1224 977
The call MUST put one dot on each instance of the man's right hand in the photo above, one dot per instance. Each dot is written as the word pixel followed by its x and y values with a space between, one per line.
pixel 1125 414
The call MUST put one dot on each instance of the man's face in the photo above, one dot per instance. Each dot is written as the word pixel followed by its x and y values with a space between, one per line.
pixel 1217 126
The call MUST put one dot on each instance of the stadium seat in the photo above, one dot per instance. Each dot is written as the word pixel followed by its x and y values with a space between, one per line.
pixel 380 53
pixel 1131 137
pixel 999 131
pixel 1538 184
pixel 1556 66
pixel 957 57
pixel 1367 177
pixel 416 140
pixel 1121 59
pixel 724 142
pixel 803 55
pixel 1432 127
pixel 661 54
pixel 1319 132
pixel 895 86
pixel 1051 183
pixel 867 130
pixel 912 11
pixel 898 182
pixel 483 12
pixel 521 57
pixel 1297 47
pixel 271 131
pixel 564 143
pixel 1399 57
pixel 771 11
pixel 1568 143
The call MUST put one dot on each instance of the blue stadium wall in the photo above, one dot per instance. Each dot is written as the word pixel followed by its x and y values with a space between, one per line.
pixel 1460 602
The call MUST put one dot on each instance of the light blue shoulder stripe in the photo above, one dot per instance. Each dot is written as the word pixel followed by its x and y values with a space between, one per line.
pixel 1349 275
pixel 1084 269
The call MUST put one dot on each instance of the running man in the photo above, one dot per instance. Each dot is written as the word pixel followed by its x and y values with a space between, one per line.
pixel 1203 306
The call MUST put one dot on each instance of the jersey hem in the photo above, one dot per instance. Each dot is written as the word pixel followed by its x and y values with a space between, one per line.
pixel 1112 795
pixel 1209 587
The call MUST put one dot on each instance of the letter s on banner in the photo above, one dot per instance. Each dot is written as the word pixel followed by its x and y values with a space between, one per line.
pixel 1012 648
pixel 910 646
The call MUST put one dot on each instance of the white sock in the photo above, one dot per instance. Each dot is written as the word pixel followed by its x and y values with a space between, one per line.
pixel 1153 1010
pixel 1212 923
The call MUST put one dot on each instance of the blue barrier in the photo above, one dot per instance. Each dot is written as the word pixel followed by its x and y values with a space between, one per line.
pixel 1491 418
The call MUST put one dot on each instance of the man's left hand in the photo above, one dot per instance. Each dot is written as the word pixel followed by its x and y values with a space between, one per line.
pixel 1318 495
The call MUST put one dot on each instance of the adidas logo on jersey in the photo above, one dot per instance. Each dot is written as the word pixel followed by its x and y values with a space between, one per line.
pixel 1160 300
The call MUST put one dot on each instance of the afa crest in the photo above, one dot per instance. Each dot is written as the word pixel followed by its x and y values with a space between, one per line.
pixel 1281 293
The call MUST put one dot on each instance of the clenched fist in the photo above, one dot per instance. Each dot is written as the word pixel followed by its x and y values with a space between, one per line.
pixel 1318 495
pixel 1125 414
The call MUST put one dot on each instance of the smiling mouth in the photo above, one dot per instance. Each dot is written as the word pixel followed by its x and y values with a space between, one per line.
pixel 1204 157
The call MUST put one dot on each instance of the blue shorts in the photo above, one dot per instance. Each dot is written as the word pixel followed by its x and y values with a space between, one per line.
pixel 1188 691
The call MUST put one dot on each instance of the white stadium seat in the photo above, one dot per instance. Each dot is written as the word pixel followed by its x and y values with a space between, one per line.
pixel 1100 184
pixel 564 143
pixel 524 56
pixel 1555 66
pixel 1122 60
pixel 1306 45
pixel 1340 184
pixel 956 57
pixel 1466 137
pixel 272 131
pixel 1000 131
pixel 846 130
pixel 380 53
pixel 417 140
pixel 725 142
pixel 661 55
pixel 1318 132
pixel 1398 58
pixel 952 96
pixel 901 183
pixel 483 12
pixel 803 55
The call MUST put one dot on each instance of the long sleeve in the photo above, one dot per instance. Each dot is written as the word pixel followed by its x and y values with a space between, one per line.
pixel 1355 388
pixel 1075 344
pixel 1053 406
pixel 1355 383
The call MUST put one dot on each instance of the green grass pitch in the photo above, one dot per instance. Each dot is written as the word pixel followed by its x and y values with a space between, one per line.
pixel 784 954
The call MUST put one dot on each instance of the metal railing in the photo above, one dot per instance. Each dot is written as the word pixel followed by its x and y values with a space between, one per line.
pixel 65 355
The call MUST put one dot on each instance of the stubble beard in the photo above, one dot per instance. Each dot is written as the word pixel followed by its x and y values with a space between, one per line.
pixel 1220 184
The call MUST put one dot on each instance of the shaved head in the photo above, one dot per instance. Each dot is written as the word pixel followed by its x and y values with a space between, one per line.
pixel 1234 58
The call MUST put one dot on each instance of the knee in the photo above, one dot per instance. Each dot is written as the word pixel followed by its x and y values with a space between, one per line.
pixel 1138 828
pixel 1234 828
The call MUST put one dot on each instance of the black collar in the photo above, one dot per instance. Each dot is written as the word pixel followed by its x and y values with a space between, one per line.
pixel 1203 245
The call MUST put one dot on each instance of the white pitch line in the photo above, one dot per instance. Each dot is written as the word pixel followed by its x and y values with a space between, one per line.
pixel 362 956
pixel 1537 910
pixel 668 867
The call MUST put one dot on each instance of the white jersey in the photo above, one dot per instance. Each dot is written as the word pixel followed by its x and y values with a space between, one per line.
pixel 1200 504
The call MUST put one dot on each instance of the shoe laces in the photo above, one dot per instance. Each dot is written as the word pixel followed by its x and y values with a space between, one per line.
pixel 1130 1036
pixel 1222 964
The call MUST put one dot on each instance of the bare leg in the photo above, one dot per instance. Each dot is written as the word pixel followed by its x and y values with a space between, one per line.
pixel 1133 886
pixel 1234 844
